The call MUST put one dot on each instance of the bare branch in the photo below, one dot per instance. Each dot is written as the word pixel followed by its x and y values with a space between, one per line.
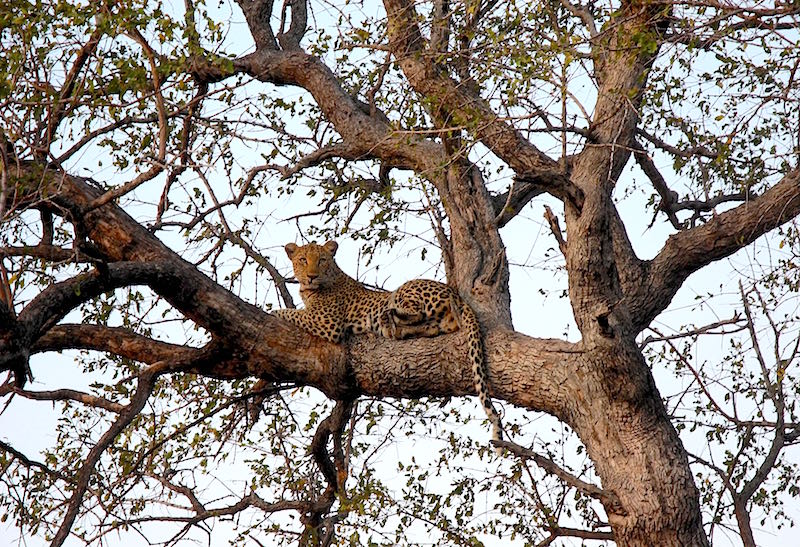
pixel 335 472
pixel 338 150
pixel 668 197
pixel 583 14
pixel 510 203
pixel 60 109
pixel 705 329
pixel 556 229
pixel 258 14
pixel 290 38
pixel 609 499
pixel 560 531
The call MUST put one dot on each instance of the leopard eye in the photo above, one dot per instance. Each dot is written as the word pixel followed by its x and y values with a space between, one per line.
pixel 303 260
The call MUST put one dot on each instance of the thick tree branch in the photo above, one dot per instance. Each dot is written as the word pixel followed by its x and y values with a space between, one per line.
pixel 597 238
pixel 57 300
pixel 686 252
pixel 463 108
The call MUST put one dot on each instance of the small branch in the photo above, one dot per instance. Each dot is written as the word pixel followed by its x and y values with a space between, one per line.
pixel 609 499
pixel 705 329
pixel 250 500
pixel 337 150
pixel 185 141
pixel 731 418
pixel 556 229
pixel 700 206
pixel 691 152
pixel 775 392
pixel 668 197
pixel 560 531
pixel 60 109
pixel 64 395
pixel 583 14
pixel 198 507
pixel 27 462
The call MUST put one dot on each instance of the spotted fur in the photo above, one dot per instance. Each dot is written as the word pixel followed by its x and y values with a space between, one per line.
pixel 336 304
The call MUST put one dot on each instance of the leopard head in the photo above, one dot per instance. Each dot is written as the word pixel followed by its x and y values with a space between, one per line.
pixel 314 266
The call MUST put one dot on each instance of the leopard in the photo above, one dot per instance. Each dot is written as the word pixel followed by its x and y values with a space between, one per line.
pixel 336 305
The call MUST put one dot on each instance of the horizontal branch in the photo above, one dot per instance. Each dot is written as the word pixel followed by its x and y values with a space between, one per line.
pixel 52 253
pixel 114 340
pixel 64 395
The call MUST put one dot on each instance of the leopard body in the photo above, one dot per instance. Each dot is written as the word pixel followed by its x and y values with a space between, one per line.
pixel 336 304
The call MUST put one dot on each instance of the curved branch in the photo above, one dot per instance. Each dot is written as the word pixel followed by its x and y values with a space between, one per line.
pixel 686 252
pixel 57 300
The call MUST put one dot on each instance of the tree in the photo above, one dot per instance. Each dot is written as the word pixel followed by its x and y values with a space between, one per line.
pixel 442 121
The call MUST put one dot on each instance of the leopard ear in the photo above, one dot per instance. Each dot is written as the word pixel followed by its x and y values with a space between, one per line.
pixel 331 247
pixel 291 248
